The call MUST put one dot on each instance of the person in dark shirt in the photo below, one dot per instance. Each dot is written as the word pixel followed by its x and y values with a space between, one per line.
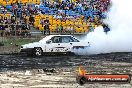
pixel 106 28
pixel 1 19
pixel 13 19
pixel 6 22
pixel 46 26
pixel 31 19
pixel 1 27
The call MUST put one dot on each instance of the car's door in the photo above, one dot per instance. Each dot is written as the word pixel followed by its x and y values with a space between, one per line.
pixel 53 44
pixel 67 43
pixel 61 44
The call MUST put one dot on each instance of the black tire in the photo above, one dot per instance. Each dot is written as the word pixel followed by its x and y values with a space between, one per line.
pixel 38 52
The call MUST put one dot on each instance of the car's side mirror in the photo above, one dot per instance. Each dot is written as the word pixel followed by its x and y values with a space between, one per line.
pixel 48 42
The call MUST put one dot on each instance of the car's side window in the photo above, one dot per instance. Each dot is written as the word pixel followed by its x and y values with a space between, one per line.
pixel 66 39
pixel 56 39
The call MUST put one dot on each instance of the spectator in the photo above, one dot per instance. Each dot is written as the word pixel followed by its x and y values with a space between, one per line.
pixel 59 28
pixel 13 19
pixel 106 28
pixel 70 29
pixel 91 29
pixel 1 19
pixel 31 19
pixel 46 26
pixel 63 10
pixel 7 31
pixel 1 27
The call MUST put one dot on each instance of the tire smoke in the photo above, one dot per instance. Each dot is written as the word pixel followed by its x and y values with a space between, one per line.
pixel 119 39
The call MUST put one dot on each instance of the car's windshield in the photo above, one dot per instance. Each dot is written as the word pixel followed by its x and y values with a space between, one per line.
pixel 45 39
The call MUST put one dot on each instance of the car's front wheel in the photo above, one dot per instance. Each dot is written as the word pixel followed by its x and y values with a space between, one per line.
pixel 38 51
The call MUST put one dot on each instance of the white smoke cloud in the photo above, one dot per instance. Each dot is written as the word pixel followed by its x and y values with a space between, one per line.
pixel 119 39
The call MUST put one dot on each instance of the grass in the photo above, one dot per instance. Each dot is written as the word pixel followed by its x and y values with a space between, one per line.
pixel 18 41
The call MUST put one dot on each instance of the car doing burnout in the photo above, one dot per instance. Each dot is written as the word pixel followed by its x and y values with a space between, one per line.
pixel 54 44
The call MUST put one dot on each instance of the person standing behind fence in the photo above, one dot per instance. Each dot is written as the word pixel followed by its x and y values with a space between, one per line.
pixel 13 22
pixel 46 26
pixel 1 26
pixel 31 19
pixel 59 28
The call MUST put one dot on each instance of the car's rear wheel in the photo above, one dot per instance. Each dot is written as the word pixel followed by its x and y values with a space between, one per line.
pixel 38 51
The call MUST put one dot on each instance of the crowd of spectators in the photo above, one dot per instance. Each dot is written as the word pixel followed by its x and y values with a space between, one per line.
pixel 10 26
pixel 92 11
pixel 88 8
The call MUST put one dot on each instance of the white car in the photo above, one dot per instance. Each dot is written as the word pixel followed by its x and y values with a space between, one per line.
pixel 54 44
